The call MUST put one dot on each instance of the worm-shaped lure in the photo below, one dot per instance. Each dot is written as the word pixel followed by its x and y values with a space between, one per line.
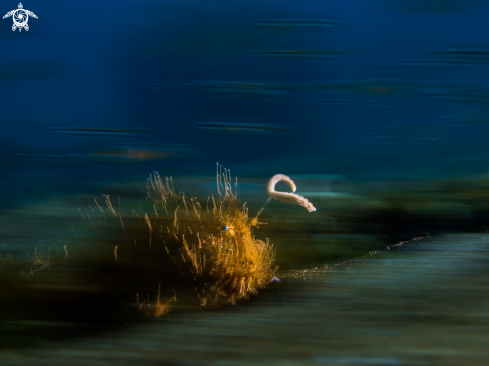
pixel 287 196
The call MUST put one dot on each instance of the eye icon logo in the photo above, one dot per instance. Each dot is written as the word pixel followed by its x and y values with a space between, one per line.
pixel 20 17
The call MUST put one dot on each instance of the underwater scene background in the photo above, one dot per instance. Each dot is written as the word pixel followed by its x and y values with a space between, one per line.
pixel 378 113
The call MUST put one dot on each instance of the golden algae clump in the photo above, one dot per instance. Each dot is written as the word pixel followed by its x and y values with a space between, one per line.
pixel 215 247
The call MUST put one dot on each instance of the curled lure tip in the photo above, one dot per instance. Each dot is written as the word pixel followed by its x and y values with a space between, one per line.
pixel 287 196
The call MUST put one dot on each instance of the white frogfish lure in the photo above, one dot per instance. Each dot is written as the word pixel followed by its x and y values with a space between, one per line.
pixel 287 196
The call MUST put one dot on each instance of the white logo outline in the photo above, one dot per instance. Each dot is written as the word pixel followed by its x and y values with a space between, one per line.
pixel 20 17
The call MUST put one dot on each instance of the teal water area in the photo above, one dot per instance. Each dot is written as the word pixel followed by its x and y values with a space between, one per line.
pixel 421 303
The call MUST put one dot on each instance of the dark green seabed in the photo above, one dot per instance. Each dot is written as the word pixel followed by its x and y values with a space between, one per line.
pixel 421 303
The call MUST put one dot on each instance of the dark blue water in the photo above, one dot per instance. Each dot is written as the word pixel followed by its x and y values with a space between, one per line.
pixel 371 90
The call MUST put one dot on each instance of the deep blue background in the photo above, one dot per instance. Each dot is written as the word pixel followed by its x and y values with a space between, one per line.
pixel 163 66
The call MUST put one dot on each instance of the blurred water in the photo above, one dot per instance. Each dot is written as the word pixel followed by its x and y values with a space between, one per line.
pixel 378 110
pixel 165 67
